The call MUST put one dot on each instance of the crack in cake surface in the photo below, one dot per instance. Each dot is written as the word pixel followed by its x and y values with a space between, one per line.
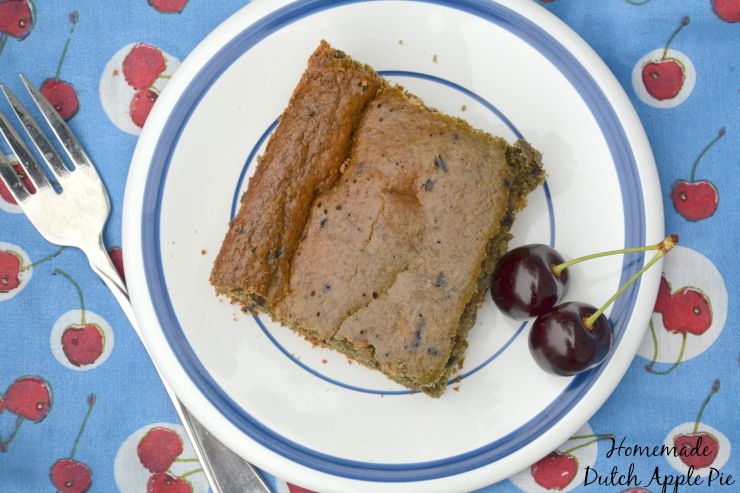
pixel 363 274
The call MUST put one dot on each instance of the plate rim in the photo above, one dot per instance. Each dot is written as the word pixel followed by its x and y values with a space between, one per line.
pixel 580 413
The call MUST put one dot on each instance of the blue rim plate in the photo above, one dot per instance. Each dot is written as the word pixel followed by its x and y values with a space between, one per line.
pixel 158 213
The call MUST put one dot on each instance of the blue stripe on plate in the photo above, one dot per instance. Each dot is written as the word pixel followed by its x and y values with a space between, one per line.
pixel 634 225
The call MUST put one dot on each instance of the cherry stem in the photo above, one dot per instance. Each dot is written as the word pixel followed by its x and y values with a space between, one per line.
pixel 664 247
pixel 649 368
pixel 164 77
pixel 720 134
pixel 64 51
pixel 558 269
pixel 633 2
pixel 79 291
pixel 580 437
pixel 590 442
pixel 18 423
pixel 194 459
pixel 712 391
pixel 684 22
pixel 3 41
pixel 655 346
pixel 48 257
pixel 90 403
pixel 189 473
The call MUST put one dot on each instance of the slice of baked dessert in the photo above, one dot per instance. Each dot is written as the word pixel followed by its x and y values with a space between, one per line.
pixel 372 223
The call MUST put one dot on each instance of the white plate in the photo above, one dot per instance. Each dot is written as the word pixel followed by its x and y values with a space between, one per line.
pixel 305 414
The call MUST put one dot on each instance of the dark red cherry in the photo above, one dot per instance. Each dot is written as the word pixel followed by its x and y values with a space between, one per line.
pixel 562 343
pixel 523 284
pixel 574 337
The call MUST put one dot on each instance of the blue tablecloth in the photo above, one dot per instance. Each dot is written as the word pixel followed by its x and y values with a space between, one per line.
pixel 687 96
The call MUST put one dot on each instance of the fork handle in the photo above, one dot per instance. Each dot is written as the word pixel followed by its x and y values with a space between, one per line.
pixel 103 266
pixel 237 474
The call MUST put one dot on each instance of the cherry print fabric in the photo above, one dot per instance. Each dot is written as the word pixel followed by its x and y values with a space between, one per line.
pixel 81 408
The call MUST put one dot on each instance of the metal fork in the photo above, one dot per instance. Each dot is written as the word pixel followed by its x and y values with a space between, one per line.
pixel 76 217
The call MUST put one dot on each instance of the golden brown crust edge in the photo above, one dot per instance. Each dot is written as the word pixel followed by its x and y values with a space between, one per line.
pixel 303 158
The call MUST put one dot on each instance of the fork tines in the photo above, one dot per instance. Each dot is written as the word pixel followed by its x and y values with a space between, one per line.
pixel 45 148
